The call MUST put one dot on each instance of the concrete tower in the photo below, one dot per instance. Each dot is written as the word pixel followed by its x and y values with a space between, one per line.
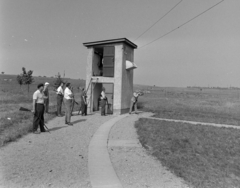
pixel 110 65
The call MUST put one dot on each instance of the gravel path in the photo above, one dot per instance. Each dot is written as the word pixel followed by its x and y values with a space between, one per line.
pixel 134 167
pixel 58 159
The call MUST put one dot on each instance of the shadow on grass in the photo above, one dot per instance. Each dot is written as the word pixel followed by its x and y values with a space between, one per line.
pixel 56 128
pixel 52 113
pixel 78 121
pixel 76 114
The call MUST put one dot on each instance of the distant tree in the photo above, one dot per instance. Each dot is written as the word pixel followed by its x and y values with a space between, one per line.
pixel 19 80
pixel 27 77
pixel 58 80
pixel 3 72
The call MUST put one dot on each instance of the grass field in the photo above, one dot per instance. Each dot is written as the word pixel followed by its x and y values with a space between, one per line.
pixel 208 105
pixel 12 97
pixel 203 156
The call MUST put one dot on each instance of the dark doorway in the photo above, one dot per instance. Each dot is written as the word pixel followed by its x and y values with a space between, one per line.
pixel 97 89
pixel 103 61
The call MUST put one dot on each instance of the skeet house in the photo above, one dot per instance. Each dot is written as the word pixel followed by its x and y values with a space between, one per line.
pixel 110 64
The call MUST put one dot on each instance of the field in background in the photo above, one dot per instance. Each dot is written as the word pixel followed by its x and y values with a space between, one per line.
pixel 206 105
pixel 12 97
pixel 204 156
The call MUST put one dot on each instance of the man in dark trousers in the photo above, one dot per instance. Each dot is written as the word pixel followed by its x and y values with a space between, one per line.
pixel 68 100
pixel 134 101
pixel 59 99
pixel 83 102
pixel 38 110
pixel 46 101
pixel 103 102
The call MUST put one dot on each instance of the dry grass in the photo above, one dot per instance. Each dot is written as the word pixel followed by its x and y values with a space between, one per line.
pixel 12 98
pixel 208 105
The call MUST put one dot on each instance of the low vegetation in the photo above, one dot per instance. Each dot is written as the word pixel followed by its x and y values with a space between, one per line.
pixel 14 123
pixel 206 105
pixel 204 156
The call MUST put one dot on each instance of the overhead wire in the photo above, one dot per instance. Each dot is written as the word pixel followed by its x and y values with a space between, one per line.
pixel 182 24
pixel 158 20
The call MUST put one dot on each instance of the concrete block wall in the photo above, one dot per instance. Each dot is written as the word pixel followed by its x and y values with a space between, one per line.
pixel 127 78
pixel 117 98
pixel 123 79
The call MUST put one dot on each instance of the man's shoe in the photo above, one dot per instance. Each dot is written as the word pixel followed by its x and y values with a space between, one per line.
pixel 66 123
pixel 43 131
pixel 36 132
pixel 70 124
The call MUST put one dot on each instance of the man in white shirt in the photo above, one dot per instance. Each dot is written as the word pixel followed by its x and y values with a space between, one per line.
pixel 134 101
pixel 68 101
pixel 59 99
pixel 38 109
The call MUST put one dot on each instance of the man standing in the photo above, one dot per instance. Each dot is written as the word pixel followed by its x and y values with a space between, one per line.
pixel 73 101
pixel 134 101
pixel 83 102
pixel 46 93
pixel 68 99
pixel 103 102
pixel 38 109
pixel 59 99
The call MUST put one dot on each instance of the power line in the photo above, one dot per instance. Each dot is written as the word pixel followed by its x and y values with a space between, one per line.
pixel 182 24
pixel 158 20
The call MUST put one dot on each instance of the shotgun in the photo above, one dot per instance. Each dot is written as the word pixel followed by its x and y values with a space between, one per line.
pixel 27 110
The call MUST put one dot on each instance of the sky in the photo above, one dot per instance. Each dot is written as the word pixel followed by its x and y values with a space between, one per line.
pixel 47 36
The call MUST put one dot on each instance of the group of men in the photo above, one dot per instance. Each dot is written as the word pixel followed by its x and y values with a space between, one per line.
pixel 66 96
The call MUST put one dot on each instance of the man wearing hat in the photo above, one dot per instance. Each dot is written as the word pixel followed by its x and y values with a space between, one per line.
pixel 38 109
pixel 46 93
pixel 68 100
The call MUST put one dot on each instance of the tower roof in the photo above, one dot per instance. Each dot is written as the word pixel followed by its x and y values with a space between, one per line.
pixel 110 41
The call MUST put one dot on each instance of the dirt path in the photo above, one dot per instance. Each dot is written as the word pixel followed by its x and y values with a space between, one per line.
pixel 134 167
pixel 59 159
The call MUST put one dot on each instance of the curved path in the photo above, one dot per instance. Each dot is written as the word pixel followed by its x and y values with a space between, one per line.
pixel 102 174
pixel 55 160
pixel 78 156
pixel 116 159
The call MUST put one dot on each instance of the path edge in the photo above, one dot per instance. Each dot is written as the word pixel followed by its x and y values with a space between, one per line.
pixel 100 169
